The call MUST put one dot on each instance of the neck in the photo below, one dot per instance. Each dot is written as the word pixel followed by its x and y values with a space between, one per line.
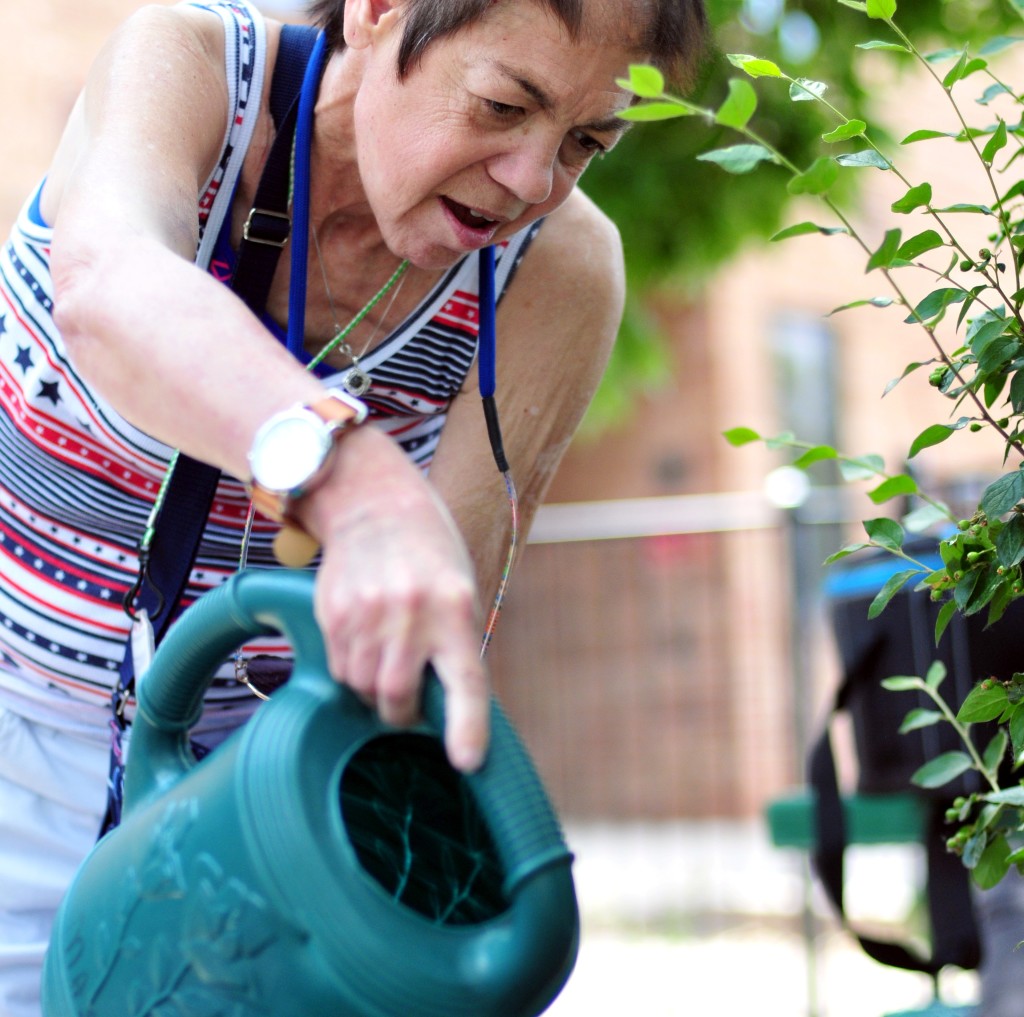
pixel 337 199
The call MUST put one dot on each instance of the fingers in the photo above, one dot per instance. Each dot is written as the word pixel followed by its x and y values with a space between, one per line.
pixel 467 710
pixel 380 644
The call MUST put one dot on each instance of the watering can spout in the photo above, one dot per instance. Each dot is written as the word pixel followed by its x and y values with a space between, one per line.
pixel 230 875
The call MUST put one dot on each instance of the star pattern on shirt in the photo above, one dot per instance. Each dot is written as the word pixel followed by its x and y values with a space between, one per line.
pixel 49 390
pixel 3 324
pixel 24 359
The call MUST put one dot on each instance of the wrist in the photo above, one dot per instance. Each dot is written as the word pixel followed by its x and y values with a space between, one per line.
pixel 290 457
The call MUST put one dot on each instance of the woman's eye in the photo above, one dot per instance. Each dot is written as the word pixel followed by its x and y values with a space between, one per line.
pixel 503 109
pixel 587 143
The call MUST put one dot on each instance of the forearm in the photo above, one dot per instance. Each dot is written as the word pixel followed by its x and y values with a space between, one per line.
pixel 171 349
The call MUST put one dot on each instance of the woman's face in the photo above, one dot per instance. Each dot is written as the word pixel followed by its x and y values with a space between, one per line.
pixel 490 131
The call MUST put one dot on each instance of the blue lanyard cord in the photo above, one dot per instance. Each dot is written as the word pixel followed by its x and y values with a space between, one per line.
pixel 300 207
pixel 488 332
pixel 487 355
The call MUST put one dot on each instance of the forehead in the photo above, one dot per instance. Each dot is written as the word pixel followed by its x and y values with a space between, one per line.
pixel 525 33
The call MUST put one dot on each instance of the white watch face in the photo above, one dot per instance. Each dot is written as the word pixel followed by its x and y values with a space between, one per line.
pixel 289 451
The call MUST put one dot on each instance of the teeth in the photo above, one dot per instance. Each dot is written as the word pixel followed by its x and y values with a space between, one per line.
pixel 480 215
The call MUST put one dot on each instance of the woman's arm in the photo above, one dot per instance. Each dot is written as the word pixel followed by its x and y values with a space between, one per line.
pixel 556 327
pixel 177 354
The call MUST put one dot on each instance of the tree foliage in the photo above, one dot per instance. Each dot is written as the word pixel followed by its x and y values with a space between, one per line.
pixel 680 217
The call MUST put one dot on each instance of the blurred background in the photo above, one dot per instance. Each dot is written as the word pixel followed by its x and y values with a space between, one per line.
pixel 664 649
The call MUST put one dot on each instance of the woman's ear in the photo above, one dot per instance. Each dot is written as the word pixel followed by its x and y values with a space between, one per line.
pixel 365 19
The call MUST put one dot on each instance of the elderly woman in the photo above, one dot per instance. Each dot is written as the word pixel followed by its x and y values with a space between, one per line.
pixel 436 130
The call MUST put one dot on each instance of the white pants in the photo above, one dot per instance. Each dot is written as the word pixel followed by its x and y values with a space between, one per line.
pixel 52 797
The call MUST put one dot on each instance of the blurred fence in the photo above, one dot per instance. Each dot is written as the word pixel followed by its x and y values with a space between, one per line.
pixel 648 653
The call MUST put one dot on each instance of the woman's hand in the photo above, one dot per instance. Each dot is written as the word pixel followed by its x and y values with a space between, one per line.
pixel 396 591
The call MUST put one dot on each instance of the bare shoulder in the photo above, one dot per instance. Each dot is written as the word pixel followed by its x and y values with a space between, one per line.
pixel 579 252
pixel 572 281
pixel 196 30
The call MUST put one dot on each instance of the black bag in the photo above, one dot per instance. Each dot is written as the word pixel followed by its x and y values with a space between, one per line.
pixel 901 641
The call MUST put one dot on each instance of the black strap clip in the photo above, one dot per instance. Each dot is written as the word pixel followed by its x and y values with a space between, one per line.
pixel 265 226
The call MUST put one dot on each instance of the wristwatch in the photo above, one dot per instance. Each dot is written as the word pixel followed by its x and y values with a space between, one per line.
pixel 290 452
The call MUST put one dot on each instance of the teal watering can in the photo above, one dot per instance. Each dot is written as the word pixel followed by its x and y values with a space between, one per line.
pixel 317 863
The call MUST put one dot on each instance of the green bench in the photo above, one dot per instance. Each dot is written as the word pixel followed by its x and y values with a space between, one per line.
pixel 870 819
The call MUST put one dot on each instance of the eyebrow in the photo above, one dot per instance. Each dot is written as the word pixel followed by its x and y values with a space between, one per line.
pixel 606 125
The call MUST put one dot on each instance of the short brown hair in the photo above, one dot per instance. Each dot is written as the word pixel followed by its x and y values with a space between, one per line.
pixel 674 40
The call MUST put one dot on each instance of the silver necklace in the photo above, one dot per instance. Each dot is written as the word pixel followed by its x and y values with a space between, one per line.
pixel 357 379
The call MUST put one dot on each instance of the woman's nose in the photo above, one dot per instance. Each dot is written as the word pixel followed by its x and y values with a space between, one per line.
pixel 526 169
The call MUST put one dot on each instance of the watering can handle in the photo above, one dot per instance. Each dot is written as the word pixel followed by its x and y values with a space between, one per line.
pixel 170 700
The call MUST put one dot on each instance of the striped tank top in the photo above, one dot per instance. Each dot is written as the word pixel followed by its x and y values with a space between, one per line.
pixel 77 480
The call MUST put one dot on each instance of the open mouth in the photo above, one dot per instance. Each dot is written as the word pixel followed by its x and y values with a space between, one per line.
pixel 469 216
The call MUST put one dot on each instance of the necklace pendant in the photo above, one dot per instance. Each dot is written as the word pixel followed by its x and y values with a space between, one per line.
pixel 356 382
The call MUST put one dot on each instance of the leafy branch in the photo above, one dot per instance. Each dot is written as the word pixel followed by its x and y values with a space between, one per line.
pixel 981 557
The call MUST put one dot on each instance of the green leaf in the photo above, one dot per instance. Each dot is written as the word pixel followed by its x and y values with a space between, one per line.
pixel 924 517
pixel 815 455
pixel 651 111
pixel 998 43
pixel 996 143
pixel 754 66
pixel 1007 796
pixel 934 435
pixel 995 750
pixel 936 674
pixel 902 683
pixel 926 135
pixel 738 158
pixel 821 175
pixel 936 303
pixel 1017 735
pixel 974 848
pixel 942 769
pixel 1010 542
pixel 850 129
pixel 983 702
pixel 993 92
pixel 957 71
pixel 882 9
pixel 738 436
pixel 740 105
pixel 893 47
pixel 894 487
pixel 873 301
pixel 945 616
pixel 919 718
pixel 806 90
pixel 845 552
pixel 863 468
pixel 807 227
pixel 781 440
pixel 997 354
pixel 883 257
pixel 993 864
pixel 966 207
pixel 868 157
pixel 885 532
pixel 919 244
pixel 857 5
pixel 916 197
pixel 892 586
pixel 645 81
pixel 909 369
pixel 1003 494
